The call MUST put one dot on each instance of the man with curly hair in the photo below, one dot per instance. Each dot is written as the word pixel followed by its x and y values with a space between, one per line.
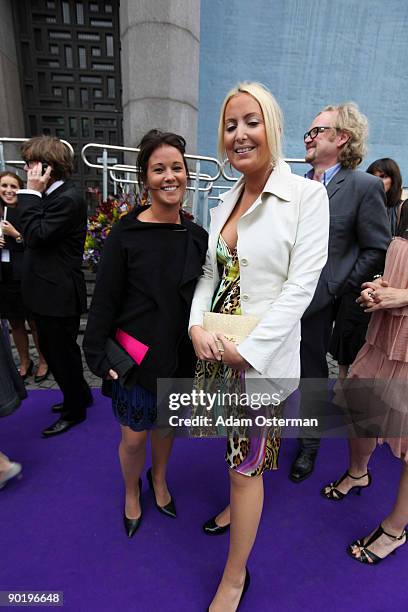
pixel 359 237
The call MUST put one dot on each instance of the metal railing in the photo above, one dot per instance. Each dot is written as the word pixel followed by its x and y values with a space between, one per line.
pixel 110 166
pixel 202 185
pixel 19 162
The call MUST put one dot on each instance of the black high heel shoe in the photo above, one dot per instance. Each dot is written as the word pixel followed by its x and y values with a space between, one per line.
pixel 29 370
pixel 170 508
pixel 132 525
pixel 211 528
pixel 42 377
pixel 332 493
pixel 366 556
pixel 247 582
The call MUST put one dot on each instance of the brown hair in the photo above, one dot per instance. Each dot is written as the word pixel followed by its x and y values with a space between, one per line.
pixel 52 151
pixel 390 168
pixel 152 141
pixel 14 175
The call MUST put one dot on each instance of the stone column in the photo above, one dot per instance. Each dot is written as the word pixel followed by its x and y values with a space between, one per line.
pixel 11 115
pixel 160 68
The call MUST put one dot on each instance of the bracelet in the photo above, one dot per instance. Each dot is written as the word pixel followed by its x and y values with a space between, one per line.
pixel 377 276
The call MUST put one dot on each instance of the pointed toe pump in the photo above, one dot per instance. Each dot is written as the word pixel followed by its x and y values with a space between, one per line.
pixel 170 508
pixel 132 525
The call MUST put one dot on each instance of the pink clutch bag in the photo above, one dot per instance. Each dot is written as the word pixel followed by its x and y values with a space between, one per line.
pixel 136 349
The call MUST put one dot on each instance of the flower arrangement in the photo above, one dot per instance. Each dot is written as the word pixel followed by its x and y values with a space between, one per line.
pixel 100 224
pixel 106 215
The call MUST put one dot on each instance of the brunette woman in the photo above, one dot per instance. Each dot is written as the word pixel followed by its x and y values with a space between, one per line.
pixel 11 301
pixel 150 265
pixel 388 171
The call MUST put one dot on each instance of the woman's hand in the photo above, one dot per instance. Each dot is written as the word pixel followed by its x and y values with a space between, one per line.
pixel 366 296
pixel 112 375
pixel 9 230
pixel 387 297
pixel 205 344
pixel 230 356
pixel 2 242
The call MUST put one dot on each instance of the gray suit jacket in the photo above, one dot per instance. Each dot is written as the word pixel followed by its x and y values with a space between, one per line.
pixel 359 235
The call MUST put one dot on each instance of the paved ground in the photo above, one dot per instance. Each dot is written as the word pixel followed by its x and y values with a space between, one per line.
pixel 94 381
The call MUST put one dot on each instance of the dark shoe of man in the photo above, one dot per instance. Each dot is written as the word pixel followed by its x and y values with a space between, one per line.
pixel 59 407
pixel 60 427
pixel 303 465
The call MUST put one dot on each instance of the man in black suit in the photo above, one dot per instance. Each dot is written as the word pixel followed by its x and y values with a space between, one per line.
pixel 359 237
pixel 53 218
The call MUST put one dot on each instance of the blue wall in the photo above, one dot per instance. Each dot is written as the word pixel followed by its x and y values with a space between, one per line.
pixel 310 53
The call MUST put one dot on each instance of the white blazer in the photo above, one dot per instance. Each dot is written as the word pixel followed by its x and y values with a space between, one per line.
pixel 282 248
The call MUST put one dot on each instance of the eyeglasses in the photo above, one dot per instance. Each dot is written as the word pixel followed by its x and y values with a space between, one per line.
pixel 317 130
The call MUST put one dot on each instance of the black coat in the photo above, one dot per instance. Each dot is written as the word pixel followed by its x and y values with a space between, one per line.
pixel 16 249
pixel 145 286
pixel 359 236
pixel 54 230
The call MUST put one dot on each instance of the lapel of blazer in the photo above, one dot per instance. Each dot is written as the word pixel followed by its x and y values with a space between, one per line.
pixel 337 183
pixel 57 192
pixel 220 214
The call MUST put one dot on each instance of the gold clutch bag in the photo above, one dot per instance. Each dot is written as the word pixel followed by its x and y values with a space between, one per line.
pixel 234 327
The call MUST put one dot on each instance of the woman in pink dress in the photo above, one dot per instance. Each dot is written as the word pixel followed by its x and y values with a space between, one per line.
pixel 377 388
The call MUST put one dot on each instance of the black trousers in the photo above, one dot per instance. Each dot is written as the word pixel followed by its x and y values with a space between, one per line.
pixel 316 332
pixel 58 342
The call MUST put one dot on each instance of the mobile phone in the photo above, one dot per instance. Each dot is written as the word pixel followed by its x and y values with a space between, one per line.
pixel 44 167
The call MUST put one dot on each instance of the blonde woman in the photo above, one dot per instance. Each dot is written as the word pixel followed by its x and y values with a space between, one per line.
pixel 267 247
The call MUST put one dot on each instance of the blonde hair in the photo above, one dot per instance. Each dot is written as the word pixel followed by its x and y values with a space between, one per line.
pixel 271 112
pixel 355 124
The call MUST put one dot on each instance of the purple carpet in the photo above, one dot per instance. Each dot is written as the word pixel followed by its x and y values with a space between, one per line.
pixel 61 526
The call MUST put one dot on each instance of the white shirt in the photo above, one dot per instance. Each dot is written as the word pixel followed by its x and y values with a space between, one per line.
pixel 50 189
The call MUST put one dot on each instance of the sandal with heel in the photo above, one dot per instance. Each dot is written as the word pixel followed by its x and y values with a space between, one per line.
pixel 332 493
pixel 366 556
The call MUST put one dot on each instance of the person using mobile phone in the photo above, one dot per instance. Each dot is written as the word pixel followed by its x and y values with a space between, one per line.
pixel 54 219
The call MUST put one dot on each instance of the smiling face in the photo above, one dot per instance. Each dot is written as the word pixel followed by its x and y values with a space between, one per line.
pixel 323 150
pixel 245 136
pixel 166 176
pixel 8 190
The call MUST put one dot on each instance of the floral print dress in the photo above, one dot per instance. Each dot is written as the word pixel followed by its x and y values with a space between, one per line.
pixel 248 454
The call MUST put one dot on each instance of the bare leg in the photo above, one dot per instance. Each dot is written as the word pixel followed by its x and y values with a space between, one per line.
pixel 246 508
pixel 8 470
pixel 360 451
pixel 4 463
pixel 42 364
pixel 132 453
pixel 161 449
pixel 20 338
pixel 224 517
pixel 343 371
pixel 394 523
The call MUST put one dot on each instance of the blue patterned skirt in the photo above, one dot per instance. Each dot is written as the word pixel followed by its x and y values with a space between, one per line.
pixel 135 408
